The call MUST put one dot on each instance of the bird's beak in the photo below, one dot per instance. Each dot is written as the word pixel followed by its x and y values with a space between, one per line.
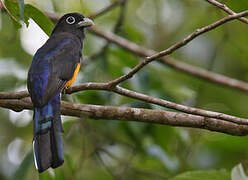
pixel 86 22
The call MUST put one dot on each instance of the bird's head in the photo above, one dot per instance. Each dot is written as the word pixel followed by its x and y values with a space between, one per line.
pixel 74 23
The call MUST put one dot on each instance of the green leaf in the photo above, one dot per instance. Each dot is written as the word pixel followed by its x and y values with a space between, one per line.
pixel 203 175
pixel 13 11
pixel 17 13
pixel 43 21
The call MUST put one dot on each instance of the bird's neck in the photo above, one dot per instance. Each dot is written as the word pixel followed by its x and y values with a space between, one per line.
pixel 81 38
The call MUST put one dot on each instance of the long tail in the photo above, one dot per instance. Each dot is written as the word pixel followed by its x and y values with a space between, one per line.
pixel 47 142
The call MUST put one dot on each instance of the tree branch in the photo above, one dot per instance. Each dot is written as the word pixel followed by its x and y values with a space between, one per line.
pixel 139 96
pixel 157 101
pixel 226 9
pixel 183 67
pixel 14 95
pixel 176 46
pixel 136 114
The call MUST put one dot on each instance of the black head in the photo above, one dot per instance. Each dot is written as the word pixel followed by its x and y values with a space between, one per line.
pixel 74 23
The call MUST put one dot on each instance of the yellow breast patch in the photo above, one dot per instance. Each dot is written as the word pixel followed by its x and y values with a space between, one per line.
pixel 73 77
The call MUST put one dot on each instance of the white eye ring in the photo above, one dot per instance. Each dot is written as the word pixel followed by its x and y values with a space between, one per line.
pixel 70 20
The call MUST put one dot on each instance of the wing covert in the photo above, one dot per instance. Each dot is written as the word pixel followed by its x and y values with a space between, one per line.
pixel 53 65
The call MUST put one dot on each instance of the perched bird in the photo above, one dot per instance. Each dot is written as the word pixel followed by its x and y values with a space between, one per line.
pixel 54 67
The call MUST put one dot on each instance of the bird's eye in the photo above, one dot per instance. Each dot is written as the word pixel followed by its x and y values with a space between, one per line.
pixel 70 20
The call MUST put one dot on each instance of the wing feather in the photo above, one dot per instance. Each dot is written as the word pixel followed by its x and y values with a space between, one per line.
pixel 53 65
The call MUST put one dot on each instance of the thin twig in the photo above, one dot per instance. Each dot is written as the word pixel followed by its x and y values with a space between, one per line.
pixel 106 9
pixel 197 33
pixel 121 18
pixel 2 6
pixel 176 46
pixel 226 9
pixel 116 29
pixel 181 66
pixel 54 17
pixel 210 66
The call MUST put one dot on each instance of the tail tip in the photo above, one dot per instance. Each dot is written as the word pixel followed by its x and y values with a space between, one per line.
pixel 47 160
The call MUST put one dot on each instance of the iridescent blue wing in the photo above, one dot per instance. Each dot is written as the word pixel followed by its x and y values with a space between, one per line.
pixel 52 66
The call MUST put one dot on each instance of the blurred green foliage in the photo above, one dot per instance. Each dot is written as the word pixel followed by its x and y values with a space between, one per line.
pixel 128 150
